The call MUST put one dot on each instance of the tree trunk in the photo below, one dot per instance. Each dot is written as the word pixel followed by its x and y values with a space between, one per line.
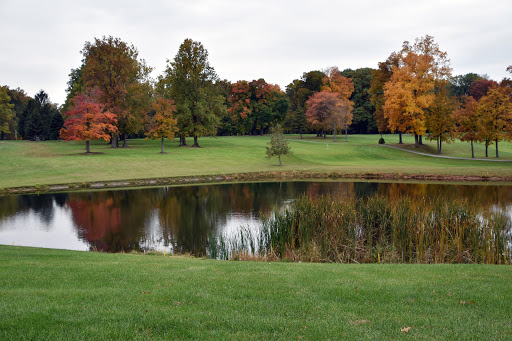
pixel 115 143
pixel 87 148
pixel 334 133
pixel 183 141
pixel 497 155
pixel 421 139
pixel 163 151
pixel 301 136
pixel 399 138
pixel 125 145
pixel 472 150
pixel 440 146
pixel 346 131
pixel 486 147
pixel 196 145
pixel 416 140
pixel 279 156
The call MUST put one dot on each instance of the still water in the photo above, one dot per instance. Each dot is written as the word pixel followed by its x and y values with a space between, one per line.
pixel 182 219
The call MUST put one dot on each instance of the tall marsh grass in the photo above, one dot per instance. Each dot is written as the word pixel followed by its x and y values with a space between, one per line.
pixel 377 229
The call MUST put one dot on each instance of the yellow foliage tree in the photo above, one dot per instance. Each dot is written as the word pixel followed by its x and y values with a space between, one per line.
pixel 410 91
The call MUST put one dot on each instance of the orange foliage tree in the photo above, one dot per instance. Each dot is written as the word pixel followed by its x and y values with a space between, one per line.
pixel 380 77
pixel 410 91
pixel 468 122
pixel 163 124
pixel 495 112
pixel 87 120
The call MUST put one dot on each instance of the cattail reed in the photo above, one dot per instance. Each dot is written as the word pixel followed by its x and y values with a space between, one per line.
pixel 366 230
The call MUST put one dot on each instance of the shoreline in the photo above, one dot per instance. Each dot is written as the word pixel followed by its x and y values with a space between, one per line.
pixel 236 177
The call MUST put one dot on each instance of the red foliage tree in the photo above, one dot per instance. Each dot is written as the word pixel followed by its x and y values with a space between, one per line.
pixel 87 120
pixel 327 110
pixel 255 105
pixel 480 87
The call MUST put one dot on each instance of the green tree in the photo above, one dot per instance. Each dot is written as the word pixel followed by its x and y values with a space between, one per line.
pixel 20 99
pixel 7 114
pixel 363 121
pixel 190 81
pixel 56 124
pixel 34 123
pixel 277 146
pixel 460 85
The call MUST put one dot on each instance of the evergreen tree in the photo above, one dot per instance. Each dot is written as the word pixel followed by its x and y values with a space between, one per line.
pixel 34 123
pixel 56 125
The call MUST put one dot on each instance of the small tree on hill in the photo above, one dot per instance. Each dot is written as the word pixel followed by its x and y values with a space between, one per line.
pixel 278 145
pixel 163 123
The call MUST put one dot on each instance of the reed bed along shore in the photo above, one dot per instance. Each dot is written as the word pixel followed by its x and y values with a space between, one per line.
pixel 376 229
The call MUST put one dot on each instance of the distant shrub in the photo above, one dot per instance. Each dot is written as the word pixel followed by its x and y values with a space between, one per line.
pixel 381 141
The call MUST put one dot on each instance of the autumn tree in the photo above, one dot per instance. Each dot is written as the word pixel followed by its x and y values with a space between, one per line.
pixel 440 121
pixel 411 89
pixel 495 111
pixel 163 124
pixel 380 77
pixel 88 120
pixel 468 122
pixel 480 87
pixel 278 146
pixel 190 80
pixel 7 114
pixel 113 67
pixel 257 105
pixel 327 110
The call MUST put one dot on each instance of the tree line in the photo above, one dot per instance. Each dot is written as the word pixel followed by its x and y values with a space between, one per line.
pixel 111 96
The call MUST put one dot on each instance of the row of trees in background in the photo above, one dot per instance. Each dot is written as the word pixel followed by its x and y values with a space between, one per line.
pixel 112 96
pixel 413 93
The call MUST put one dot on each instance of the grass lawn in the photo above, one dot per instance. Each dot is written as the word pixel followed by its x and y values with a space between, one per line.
pixel 26 163
pixel 58 294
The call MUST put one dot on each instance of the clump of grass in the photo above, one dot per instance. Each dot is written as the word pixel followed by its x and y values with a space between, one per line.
pixel 376 229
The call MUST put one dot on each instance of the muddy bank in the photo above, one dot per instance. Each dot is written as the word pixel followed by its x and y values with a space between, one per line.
pixel 292 175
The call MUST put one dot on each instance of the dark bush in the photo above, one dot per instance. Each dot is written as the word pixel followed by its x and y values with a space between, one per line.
pixel 381 141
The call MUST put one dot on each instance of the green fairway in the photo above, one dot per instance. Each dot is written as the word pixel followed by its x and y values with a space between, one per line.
pixel 26 163
pixel 64 295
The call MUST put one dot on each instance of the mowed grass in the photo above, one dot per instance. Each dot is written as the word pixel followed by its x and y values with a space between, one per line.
pixel 26 163
pixel 69 295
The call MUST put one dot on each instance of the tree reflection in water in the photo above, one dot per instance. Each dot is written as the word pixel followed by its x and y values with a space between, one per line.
pixel 182 219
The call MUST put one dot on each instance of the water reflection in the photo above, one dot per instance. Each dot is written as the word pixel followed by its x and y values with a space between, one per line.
pixel 181 219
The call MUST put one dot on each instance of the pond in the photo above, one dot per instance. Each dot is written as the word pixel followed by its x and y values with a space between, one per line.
pixel 184 219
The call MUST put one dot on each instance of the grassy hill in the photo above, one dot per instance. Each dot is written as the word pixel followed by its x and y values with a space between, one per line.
pixel 26 163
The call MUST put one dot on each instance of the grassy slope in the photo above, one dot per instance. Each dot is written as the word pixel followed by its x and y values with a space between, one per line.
pixel 56 294
pixel 39 163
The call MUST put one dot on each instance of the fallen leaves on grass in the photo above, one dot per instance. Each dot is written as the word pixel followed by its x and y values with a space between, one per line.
pixel 406 329
pixel 467 302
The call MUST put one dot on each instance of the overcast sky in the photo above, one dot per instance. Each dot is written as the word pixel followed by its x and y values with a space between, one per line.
pixel 276 40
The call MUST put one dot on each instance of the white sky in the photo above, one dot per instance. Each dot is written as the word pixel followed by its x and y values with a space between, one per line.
pixel 276 40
